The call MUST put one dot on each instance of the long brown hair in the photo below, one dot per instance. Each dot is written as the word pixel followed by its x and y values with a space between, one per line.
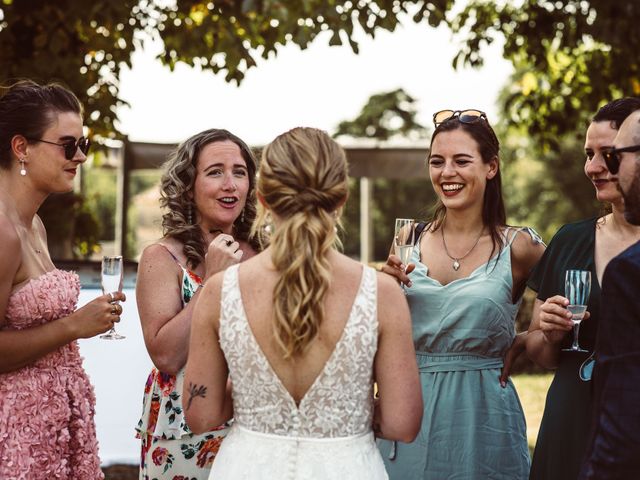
pixel 303 180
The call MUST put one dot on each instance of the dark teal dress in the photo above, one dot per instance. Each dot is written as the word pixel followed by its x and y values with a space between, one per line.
pixel 472 428
pixel 565 423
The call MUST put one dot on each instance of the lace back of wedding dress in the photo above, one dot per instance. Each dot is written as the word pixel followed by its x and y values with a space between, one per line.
pixel 340 401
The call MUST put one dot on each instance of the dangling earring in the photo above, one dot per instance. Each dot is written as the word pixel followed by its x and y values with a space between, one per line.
pixel 242 216
pixel 335 220
pixel 23 170
pixel 189 217
pixel 267 224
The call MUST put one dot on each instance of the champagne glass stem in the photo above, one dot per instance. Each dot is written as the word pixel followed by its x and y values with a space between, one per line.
pixel 576 331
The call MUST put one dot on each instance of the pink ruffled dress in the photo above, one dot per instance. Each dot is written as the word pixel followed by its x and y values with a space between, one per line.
pixel 46 409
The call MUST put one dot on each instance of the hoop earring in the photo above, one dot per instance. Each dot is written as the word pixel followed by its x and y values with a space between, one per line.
pixel 23 170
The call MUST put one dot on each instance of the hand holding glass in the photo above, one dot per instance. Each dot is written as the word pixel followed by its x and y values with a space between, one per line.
pixel 111 278
pixel 577 287
pixel 403 239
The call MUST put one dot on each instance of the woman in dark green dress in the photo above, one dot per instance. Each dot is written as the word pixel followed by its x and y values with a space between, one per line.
pixel 584 245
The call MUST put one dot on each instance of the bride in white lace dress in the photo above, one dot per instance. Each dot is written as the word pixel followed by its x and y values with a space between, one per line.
pixel 302 332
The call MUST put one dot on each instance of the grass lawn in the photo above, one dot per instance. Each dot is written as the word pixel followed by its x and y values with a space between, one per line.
pixel 532 390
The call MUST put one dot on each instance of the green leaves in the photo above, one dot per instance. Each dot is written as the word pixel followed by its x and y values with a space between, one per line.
pixel 85 45
pixel 571 57
pixel 385 115
pixel 572 54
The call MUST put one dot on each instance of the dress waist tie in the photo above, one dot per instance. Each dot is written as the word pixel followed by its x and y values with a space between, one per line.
pixel 429 362
pixel 432 363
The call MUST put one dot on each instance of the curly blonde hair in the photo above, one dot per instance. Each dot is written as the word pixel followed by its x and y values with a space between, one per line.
pixel 303 180
pixel 177 182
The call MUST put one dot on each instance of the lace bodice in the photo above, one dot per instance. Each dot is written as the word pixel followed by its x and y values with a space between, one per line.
pixel 340 401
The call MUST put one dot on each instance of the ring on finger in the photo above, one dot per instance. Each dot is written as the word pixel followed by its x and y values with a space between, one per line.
pixel 114 310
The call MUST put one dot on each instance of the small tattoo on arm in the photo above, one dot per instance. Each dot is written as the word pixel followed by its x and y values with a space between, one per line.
pixel 196 391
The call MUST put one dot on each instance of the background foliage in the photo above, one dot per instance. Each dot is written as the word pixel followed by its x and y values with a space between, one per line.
pixel 571 55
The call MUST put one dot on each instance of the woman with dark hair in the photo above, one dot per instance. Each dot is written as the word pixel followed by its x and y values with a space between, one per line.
pixel 304 344
pixel 46 400
pixel 467 274
pixel 584 245
pixel 208 191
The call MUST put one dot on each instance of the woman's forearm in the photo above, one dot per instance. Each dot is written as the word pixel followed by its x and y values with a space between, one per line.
pixel 541 351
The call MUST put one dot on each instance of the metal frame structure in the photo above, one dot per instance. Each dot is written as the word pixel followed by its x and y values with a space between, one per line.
pixel 364 164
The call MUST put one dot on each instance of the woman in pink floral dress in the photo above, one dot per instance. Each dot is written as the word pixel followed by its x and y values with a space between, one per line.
pixel 46 401
pixel 208 192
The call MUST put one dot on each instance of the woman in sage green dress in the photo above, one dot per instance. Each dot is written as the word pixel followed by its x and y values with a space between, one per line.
pixel 464 292
pixel 585 245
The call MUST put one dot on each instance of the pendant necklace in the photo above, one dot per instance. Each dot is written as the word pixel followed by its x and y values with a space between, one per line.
pixel 37 250
pixel 456 261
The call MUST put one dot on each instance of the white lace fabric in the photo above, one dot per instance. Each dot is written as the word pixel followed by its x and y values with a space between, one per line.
pixel 340 401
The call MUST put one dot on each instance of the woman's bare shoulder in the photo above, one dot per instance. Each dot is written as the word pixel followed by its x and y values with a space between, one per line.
pixel 527 248
pixel 10 242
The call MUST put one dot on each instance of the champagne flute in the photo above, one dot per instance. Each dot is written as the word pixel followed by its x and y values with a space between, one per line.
pixel 577 286
pixel 403 240
pixel 111 279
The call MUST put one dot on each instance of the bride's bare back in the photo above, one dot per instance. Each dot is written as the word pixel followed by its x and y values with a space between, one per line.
pixel 297 374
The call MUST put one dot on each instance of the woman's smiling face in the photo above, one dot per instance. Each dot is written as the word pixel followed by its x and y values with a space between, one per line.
pixel 458 173
pixel 600 136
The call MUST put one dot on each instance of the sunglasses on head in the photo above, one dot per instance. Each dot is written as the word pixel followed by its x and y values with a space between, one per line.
pixel 464 116
pixel 613 158
pixel 70 146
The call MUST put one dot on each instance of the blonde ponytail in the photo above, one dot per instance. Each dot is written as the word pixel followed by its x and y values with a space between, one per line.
pixel 303 180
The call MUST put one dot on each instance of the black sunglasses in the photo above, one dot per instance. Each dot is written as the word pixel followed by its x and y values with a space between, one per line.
pixel 613 158
pixel 464 116
pixel 70 146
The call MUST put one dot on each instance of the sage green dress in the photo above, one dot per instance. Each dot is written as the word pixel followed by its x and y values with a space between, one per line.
pixel 472 428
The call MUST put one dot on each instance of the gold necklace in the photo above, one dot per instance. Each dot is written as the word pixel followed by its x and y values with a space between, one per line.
pixel 456 261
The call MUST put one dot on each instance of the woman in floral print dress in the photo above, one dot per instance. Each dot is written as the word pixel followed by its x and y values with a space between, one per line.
pixel 208 192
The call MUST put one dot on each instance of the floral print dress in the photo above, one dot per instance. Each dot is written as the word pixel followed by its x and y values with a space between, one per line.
pixel 170 451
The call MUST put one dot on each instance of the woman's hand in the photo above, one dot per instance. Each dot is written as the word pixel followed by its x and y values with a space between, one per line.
pixel 223 252
pixel 555 319
pixel 97 316
pixel 396 269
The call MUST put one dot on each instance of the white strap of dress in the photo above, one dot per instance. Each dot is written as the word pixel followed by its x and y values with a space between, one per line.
pixel 535 237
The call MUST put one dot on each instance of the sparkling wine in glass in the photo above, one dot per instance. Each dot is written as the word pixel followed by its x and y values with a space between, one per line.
pixel 577 286
pixel 403 239
pixel 111 279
